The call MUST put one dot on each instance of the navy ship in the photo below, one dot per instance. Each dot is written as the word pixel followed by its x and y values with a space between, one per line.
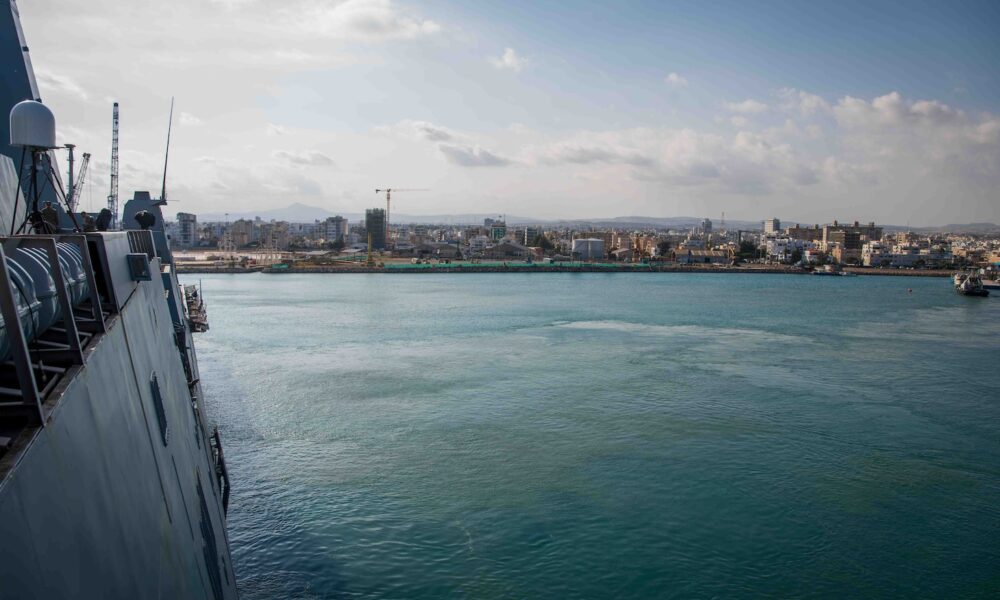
pixel 113 484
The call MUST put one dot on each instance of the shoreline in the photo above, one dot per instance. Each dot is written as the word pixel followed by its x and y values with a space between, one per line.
pixel 539 268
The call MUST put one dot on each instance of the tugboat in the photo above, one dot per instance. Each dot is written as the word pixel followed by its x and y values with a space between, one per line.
pixel 971 285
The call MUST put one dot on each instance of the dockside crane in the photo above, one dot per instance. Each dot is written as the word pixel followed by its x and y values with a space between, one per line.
pixel 113 193
pixel 74 198
pixel 388 197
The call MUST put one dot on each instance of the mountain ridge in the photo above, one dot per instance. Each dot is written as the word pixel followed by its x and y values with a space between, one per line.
pixel 303 213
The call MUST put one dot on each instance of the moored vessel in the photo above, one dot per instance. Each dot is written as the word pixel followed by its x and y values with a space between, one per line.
pixel 971 284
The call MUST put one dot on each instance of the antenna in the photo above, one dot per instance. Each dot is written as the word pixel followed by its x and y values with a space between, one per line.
pixel 166 154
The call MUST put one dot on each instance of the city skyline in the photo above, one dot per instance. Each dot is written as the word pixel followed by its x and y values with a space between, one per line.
pixel 813 113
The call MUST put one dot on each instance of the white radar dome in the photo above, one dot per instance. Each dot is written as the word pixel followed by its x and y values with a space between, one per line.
pixel 32 125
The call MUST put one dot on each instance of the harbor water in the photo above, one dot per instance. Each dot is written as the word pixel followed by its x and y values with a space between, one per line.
pixel 590 435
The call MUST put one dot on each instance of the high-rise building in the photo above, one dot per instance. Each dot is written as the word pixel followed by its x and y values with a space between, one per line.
pixel 187 230
pixel 772 226
pixel 851 235
pixel 706 226
pixel 530 234
pixel 809 234
pixel 498 230
pixel 242 232
pixel 375 226
pixel 335 228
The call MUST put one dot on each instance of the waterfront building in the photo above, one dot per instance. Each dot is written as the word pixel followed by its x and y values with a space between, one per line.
pixel 242 232
pixel 808 234
pixel 621 241
pixel 781 249
pixel 691 257
pixel 375 227
pixel 498 231
pixel 814 256
pixel 588 249
pixel 187 230
pixel 438 250
pixel 335 228
pixel 303 231
pixel 507 250
pixel 529 235
pixel 692 243
pixel 851 235
pixel 605 236
pixel 478 244
pixel 875 254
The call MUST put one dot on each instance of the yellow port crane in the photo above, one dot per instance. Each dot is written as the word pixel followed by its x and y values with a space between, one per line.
pixel 388 197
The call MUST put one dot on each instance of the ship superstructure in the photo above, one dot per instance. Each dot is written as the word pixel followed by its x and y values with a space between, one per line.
pixel 112 482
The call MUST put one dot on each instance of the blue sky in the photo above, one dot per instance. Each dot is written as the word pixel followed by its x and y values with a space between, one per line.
pixel 806 110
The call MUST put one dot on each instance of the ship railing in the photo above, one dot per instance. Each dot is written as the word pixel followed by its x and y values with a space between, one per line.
pixel 40 344
pixel 221 473
pixel 141 240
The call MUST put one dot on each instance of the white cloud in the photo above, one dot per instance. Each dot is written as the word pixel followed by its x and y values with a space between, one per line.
pixel 839 172
pixel 803 103
pixel 273 129
pixel 893 110
pixel 987 132
pixel 676 80
pixel 188 119
pixel 509 60
pixel 471 156
pixel 420 130
pixel 583 151
pixel 59 84
pixel 232 4
pixel 367 20
pixel 310 158
pixel 747 107
pixel 745 163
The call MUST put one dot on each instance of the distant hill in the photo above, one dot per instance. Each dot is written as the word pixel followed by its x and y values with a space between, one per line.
pixel 303 213
pixel 296 213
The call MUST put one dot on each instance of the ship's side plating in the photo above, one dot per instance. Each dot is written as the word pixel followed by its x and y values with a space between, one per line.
pixel 112 485
pixel 115 489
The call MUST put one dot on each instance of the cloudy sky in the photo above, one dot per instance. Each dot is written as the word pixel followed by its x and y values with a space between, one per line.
pixel 804 110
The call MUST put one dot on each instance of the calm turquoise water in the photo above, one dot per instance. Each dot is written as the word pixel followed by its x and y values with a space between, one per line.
pixel 606 435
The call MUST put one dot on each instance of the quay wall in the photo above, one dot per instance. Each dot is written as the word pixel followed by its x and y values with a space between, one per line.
pixel 472 268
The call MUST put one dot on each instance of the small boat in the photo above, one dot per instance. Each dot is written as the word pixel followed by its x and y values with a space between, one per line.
pixel 830 271
pixel 971 285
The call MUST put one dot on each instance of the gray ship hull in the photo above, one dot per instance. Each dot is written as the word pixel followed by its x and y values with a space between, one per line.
pixel 112 485
pixel 94 505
